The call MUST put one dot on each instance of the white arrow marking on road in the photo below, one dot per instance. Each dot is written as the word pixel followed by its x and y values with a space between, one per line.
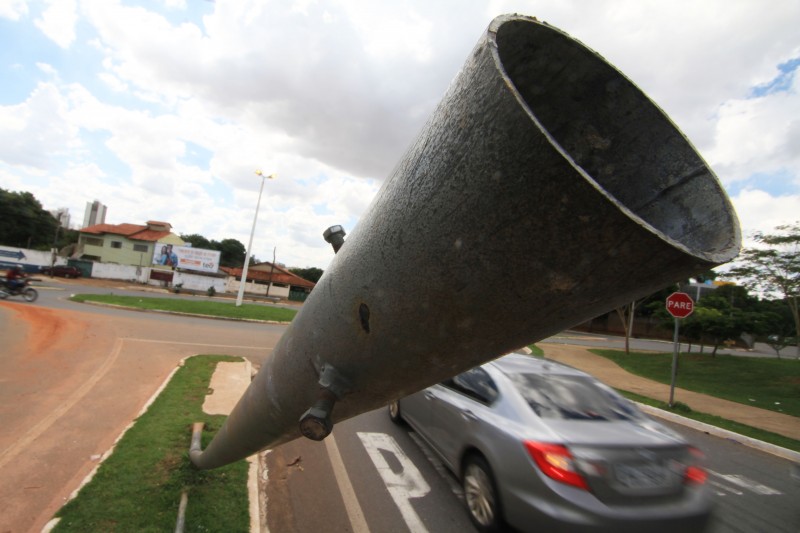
pixel 438 465
pixel 403 485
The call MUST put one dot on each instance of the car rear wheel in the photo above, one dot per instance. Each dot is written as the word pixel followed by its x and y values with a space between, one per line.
pixel 480 493
pixel 394 412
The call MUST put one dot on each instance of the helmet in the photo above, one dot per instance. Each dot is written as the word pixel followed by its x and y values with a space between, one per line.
pixel 18 268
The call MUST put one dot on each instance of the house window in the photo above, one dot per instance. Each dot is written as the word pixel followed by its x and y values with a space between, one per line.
pixel 116 244
pixel 139 247
pixel 93 241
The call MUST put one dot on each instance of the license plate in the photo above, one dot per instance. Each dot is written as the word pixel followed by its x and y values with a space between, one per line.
pixel 640 476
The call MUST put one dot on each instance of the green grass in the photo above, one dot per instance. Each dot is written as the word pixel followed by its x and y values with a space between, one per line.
pixel 736 427
pixel 138 488
pixel 536 351
pixel 772 384
pixel 193 307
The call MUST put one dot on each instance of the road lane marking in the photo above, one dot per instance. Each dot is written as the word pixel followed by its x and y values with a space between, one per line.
pixel 745 483
pixel 724 488
pixel 45 423
pixel 351 505
pixel 200 344
pixel 403 485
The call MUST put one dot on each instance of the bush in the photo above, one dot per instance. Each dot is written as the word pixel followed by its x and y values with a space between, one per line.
pixel 211 291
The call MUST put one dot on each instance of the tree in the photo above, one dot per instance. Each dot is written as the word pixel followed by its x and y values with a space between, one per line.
pixel 774 267
pixel 232 253
pixel 308 273
pixel 717 320
pixel 198 241
pixel 24 222
pixel 626 315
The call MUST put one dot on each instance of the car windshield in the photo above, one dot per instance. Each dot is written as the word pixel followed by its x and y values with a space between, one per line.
pixel 570 397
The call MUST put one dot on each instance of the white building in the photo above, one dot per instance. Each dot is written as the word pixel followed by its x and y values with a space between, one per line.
pixel 95 214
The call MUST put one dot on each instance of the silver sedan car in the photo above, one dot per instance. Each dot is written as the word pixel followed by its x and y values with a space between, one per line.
pixel 540 446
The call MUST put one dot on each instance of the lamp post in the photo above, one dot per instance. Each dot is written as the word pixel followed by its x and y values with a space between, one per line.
pixel 250 243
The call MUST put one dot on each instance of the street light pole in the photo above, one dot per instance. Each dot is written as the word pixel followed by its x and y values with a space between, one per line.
pixel 250 243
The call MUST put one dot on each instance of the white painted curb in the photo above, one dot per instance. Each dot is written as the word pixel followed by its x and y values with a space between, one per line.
pixel 785 453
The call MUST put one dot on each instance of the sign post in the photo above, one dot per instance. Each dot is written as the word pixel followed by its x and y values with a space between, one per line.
pixel 679 305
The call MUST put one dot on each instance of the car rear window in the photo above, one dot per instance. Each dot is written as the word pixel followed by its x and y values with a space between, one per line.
pixel 570 397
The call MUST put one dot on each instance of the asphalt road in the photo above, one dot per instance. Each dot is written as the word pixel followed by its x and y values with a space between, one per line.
pixel 404 487
pixel 372 475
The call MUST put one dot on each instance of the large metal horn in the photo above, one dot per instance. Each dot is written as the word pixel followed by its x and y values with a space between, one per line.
pixel 545 189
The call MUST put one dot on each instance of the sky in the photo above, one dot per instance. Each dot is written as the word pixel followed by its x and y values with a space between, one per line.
pixel 164 109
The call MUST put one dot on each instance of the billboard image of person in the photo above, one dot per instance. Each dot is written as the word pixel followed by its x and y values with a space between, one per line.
pixel 186 257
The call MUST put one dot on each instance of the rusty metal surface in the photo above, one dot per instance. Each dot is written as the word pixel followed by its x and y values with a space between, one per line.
pixel 544 190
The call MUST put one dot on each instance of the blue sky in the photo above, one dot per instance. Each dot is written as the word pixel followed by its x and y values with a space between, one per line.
pixel 164 109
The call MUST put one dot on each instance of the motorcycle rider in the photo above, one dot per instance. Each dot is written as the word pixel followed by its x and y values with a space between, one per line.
pixel 14 277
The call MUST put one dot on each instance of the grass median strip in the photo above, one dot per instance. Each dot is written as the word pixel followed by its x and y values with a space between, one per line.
pixel 138 488
pixel 193 307
pixel 768 383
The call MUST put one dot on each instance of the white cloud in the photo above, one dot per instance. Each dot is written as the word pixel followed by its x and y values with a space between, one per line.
pixel 58 21
pixel 330 94
pixel 13 9
pixel 758 135
pixel 758 211
pixel 36 131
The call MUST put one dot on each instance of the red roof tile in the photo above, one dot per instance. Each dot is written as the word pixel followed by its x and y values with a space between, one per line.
pixel 280 275
pixel 131 231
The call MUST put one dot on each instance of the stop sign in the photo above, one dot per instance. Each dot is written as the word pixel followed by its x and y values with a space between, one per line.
pixel 680 304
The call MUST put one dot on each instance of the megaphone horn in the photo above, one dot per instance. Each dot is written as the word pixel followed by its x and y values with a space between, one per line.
pixel 545 189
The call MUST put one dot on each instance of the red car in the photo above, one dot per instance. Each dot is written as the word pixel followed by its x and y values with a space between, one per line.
pixel 63 270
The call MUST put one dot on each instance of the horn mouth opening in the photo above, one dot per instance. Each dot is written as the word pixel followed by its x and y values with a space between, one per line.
pixel 619 139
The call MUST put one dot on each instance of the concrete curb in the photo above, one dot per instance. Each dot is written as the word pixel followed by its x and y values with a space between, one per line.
pixel 228 384
pixel 766 447
pixel 178 313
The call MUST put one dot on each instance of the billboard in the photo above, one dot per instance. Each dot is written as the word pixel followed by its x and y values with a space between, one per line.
pixel 186 257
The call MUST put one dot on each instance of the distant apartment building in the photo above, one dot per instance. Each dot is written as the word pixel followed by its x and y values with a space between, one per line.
pixel 95 214
pixel 62 215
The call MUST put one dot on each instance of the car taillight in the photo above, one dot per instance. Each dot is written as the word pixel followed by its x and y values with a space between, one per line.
pixel 694 473
pixel 556 462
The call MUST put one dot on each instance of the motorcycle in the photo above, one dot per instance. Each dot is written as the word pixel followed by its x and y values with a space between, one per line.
pixel 28 293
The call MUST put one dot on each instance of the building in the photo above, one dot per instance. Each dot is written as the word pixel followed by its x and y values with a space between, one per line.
pixel 124 244
pixel 95 214
pixel 268 279
pixel 62 216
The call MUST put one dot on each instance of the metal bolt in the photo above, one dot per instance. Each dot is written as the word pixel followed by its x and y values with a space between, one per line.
pixel 335 236
pixel 316 423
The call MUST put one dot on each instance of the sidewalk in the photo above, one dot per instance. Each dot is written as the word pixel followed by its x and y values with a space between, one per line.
pixel 613 375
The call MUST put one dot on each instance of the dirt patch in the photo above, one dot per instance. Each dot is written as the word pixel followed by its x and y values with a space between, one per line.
pixel 44 327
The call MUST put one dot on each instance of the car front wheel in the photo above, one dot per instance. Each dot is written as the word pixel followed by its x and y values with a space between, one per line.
pixel 394 412
pixel 480 494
